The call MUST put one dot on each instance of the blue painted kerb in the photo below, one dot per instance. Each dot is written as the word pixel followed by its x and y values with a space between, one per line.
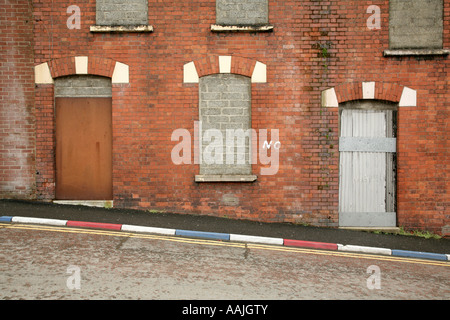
pixel 418 254
pixel 203 234
pixel 5 219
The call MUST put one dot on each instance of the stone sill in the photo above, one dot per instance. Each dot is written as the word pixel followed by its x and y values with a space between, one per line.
pixel 233 28
pixel 88 203
pixel 225 178
pixel 141 28
pixel 415 52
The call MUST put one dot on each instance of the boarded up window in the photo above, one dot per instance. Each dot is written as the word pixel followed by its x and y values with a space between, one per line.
pixel 242 12
pixel 121 12
pixel 224 109
pixel 415 24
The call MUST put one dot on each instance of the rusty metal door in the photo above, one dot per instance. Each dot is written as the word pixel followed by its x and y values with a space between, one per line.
pixel 83 148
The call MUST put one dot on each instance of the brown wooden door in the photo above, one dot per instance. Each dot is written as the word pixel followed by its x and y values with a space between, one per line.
pixel 83 148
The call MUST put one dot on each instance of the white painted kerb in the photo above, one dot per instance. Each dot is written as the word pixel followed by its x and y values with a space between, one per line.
pixel 54 222
pixel 256 239
pixel 373 250
pixel 131 228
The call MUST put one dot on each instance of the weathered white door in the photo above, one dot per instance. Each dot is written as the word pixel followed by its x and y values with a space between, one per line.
pixel 367 168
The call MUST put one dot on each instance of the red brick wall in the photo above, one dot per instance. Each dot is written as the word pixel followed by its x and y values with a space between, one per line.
pixel 305 189
pixel 17 100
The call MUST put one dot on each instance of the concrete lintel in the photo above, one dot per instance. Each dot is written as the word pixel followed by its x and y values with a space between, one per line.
pixel 225 178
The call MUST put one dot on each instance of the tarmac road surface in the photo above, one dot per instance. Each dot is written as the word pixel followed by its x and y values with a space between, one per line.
pixel 43 262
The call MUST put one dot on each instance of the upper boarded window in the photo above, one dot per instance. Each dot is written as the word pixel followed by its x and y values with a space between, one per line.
pixel 242 12
pixel 121 12
pixel 415 24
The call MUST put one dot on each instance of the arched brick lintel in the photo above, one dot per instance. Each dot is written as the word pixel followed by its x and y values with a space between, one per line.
pixel 47 71
pixel 251 68
pixel 404 96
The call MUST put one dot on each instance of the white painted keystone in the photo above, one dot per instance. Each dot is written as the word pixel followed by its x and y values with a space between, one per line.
pixel 81 65
pixel 368 89
pixel 225 64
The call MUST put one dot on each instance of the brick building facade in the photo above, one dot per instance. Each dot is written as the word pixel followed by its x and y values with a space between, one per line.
pixel 295 74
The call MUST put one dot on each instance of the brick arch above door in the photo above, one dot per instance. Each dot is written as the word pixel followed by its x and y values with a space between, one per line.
pixel 79 65
pixel 404 96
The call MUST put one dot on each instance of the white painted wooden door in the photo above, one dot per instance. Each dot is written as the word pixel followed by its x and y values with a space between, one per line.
pixel 367 168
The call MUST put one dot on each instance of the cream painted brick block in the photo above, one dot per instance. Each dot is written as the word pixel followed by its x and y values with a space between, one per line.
pixel 42 74
pixel 190 74
pixel 329 98
pixel 121 73
pixel 409 98
pixel 259 73
pixel 81 65
pixel 368 89
pixel 225 64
